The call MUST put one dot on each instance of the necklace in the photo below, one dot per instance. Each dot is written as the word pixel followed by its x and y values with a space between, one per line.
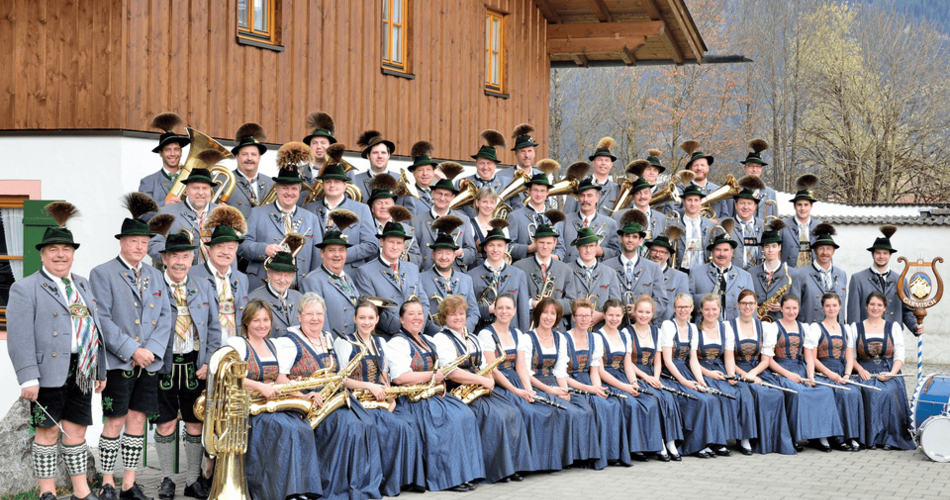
pixel 318 346
pixel 549 337
pixel 368 344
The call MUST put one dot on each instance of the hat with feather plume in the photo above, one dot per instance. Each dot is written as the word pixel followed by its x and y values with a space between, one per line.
pixel 603 149
pixel 319 124
pixel 883 243
pixel 249 134
pixel 138 205
pixel 755 156
pixel 522 137
pixel 61 212
pixel 369 139
pixel 167 122
pixel 692 149
pixel 493 139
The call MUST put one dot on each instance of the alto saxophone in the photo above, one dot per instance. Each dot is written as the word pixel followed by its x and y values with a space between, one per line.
pixel 436 389
pixel 366 398
pixel 470 392
pixel 763 311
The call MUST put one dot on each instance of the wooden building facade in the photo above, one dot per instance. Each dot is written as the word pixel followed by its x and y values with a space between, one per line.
pixel 113 64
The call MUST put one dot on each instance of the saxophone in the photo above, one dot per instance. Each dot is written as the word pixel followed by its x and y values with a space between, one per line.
pixel 763 311
pixel 366 398
pixel 436 389
pixel 331 394
pixel 470 392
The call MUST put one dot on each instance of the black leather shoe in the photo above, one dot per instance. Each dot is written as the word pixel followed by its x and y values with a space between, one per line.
pixel 799 448
pixel 745 451
pixel 167 489
pixel 676 457
pixel 460 488
pixel 639 457
pixel 516 477
pixel 108 493
pixel 471 486
pixel 134 493
pixel 414 488
pixel 90 496
pixel 723 452
pixel 48 496
pixel 887 447
pixel 703 455
pixel 663 458
pixel 197 490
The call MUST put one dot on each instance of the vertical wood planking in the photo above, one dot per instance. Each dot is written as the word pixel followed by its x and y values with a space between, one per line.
pixel 8 59
pixel 34 69
pixel 85 52
pixel 196 32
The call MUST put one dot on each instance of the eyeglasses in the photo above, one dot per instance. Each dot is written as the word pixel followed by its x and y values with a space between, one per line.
pixel 682 307
pixel 747 303
pixel 583 316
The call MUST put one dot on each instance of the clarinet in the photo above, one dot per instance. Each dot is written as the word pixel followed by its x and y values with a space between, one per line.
pixel 716 392
pixel 833 386
pixel 538 398
pixel 764 384
pixel 641 388
pixel 616 394
pixel 677 392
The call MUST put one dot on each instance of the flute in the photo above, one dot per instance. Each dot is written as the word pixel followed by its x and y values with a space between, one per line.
pixel 833 386
pixel 852 382
pixel 764 384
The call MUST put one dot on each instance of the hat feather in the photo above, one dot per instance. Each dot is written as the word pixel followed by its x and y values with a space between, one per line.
pixel 139 204
pixel 494 138
pixel 226 216
pixel 555 216
pixel 777 225
pixel 250 130
pixel 654 152
pixel 686 176
pixel 728 225
pixel 758 145
pixel 751 182
pixel 294 240
pixel 292 154
pixel 674 232
pixel 636 167
pixel 823 229
pixel 447 224
pixel 577 171
pixel 689 147
pixel 548 166
pixel 806 181
pixel 450 169
pixel 367 136
pixel 421 148
pixel 320 119
pixel 523 129
pixel 160 224
pixel 335 153
pixel 498 223
pixel 383 181
pixel 888 230
pixel 62 211
pixel 400 213
pixel 210 157
pixel 166 121
pixel 343 218
pixel 606 143
pixel 634 215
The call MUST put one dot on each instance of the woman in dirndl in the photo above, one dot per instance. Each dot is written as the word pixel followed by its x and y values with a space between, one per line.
pixel 349 451
pixel 829 345
pixel 501 427
pixel 452 447
pixel 739 410
pixel 545 351
pixel 747 357
pixel 703 427
pixel 548 428
pixel 281 458
pixel 400 445
pixel 641 412
pixel 812 411
pixel 879 346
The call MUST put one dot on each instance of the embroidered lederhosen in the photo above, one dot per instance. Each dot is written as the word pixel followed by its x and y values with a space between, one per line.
pixel 640 355
pixel 711 352
pixel 540 362
pixel 875 350
pixel 422 360
pixel 578 360
pixel 511 357
pixel 747 350
pixel 309 361
pixel 788 345
pixel 614 359
pixel 371 366
pixel 831 346
pixel 262 371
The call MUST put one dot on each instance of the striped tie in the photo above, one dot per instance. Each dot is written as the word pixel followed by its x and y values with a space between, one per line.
pixel 86 336
pixel 183 321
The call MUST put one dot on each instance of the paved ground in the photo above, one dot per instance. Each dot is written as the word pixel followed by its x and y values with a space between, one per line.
pixel 809 475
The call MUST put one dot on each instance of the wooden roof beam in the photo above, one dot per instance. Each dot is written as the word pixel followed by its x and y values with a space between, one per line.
pixel 604 30
pixel 580 60
pixel 627 55
pixel 589 45
pixel 650 7
pixel 600 10
pixel 670 44
pixel 688 33
pixel 548 12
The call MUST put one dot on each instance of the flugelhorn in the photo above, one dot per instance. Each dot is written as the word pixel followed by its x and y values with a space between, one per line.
pixel 199 143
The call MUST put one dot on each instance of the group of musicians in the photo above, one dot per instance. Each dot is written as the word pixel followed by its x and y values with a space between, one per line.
pixel 642 321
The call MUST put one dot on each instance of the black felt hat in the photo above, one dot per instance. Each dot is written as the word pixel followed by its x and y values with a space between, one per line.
pixel 167 122
pixel 61 212
pixel 369 139
pixel 884 243
pixel 178 242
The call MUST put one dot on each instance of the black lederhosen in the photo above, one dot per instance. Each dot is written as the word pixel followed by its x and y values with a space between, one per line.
pixel 178 390
pixel 62 403
pixel 135 389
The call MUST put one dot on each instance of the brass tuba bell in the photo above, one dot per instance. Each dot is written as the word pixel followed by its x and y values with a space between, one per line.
pixel 199 142
pixel 466 196
pixel 727 190
pixel 352 191
pixel 225 181
pixel 669 192
pixel 405 187
pixel 517 186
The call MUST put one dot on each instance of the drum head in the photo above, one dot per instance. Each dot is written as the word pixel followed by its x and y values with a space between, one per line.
pixel 935 438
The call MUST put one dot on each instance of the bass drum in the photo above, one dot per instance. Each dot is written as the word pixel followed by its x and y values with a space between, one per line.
pixel 934 438
pixel 930 399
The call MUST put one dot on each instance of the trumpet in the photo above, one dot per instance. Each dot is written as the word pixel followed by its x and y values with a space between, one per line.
pixel 199 143
pixel 466 196
pixel 405 187
pixel 547 289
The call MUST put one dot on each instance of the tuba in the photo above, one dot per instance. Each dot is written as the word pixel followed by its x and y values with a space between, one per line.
pixel 669 193
pixel 199 143
pixel 727 190
pixel 466 196
pixel 352 191
pixel 225 181
pixel 224 410
pixel 517 186
pixel 405 187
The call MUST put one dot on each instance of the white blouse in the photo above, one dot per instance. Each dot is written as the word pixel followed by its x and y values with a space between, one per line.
pixel 560 366
pixel 669 331
pixel 897 333
pixel 726 338
pixel 488 342
pixel 344 349
pixel 447 351
pixel 813 335
pixel 285 348
pixel 596 350
pixel 624 334
pixel 769 337
pixel 397 357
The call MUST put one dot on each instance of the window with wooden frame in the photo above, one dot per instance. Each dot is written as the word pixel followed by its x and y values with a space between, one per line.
pixel 396 35
pixel 11 235
pixel 495 52
pixel 259 21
